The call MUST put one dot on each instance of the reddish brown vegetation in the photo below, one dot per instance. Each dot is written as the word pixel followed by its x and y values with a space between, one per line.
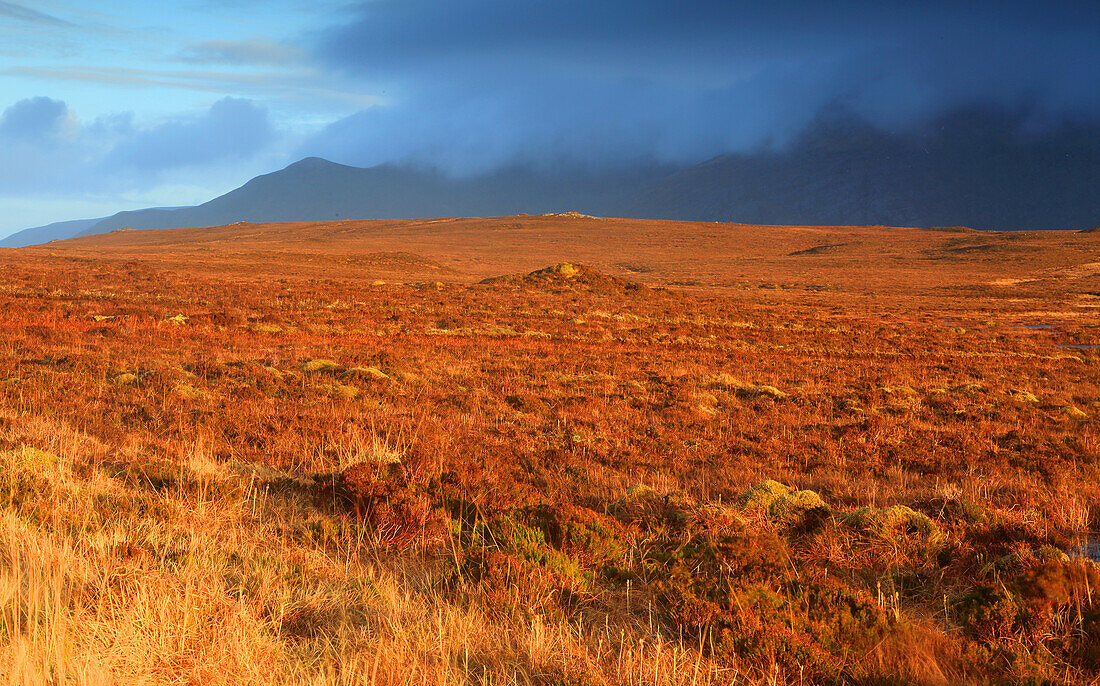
pixel 566 446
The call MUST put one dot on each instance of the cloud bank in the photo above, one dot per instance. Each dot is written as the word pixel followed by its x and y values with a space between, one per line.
pixel 49 150
pixel 482 83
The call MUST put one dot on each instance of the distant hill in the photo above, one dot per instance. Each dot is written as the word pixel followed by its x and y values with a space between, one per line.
pixel 314 189
pixel 47 233
pixel 981 168
pixel 975 168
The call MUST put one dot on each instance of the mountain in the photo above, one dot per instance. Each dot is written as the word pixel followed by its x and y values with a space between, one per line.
pixel 47 233
pixel 985 168
pixel 314 189
pixel 978 168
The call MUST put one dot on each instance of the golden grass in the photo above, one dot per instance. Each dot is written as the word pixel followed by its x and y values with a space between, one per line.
pixel 203 587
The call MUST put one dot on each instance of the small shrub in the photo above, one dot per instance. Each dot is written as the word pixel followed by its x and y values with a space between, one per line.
pixel 717 519
pixel 988 613
pixel 530 543
pixel 381 493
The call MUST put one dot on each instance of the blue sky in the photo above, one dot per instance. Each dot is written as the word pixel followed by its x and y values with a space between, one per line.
pixel 121 104
pixel 124 104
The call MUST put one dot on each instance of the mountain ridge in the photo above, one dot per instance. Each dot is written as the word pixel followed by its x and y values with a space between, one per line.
pixel 48 232
pixel 978 167
pixel 315 189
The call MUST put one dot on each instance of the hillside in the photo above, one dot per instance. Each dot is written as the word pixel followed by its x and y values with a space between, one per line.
pixel 314 189
pixel 793 261
pixel 49 232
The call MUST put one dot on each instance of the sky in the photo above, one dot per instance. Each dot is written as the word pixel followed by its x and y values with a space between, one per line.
pixel 123 104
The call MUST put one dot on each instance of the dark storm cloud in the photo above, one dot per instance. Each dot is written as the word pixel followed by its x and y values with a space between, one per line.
pixel 477 83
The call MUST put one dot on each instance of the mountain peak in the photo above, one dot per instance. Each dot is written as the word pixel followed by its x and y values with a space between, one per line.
pixel 313 163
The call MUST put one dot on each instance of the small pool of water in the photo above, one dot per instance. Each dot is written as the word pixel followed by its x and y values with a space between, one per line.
pixel 1088 545
pixel 1077 346
pixel 1041 326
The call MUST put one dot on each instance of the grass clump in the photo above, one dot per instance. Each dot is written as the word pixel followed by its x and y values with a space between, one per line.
pixel 320 366
pixel 154 475
pixel 125 379
pixel 1074 413
pixel 277 374
pixel 565 270
pixel 1023 396
pixel 367 373
pixel 190 392
pixel 640 503
pixel 27 457
pixel 781 503
pixel 339 390
pixel 969 388
pixel 530 543
pixel 769 392
pixel 895 523
pixel 729 383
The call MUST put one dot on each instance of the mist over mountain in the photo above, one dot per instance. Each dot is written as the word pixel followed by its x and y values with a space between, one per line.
pixel 980 167
pixel 986 168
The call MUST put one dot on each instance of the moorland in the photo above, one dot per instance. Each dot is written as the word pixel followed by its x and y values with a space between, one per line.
pixel 550 450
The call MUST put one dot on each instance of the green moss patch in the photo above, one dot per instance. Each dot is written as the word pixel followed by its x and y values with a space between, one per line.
pixel 320 366
pixel 895 524
pixel 781 503
pixel 338 390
